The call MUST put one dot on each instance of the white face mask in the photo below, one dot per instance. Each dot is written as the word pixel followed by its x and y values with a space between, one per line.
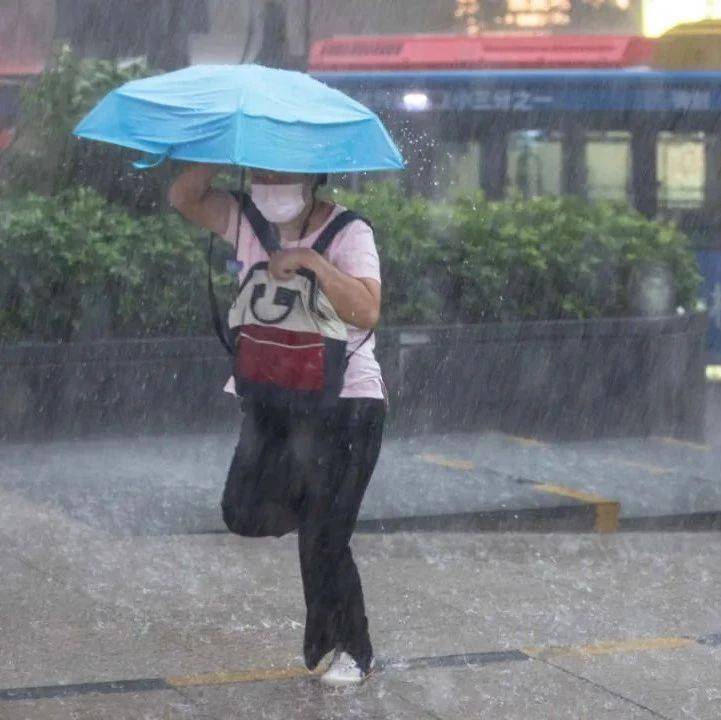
pixel 278 203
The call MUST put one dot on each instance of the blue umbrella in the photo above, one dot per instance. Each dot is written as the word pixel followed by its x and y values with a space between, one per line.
pixel 245 115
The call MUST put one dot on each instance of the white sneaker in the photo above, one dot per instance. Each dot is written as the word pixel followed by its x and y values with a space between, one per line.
pixel 344 670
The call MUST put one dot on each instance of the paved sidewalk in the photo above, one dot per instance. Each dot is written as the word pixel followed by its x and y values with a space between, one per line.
pixel 122 597
pixel 210 626
pixel 172 484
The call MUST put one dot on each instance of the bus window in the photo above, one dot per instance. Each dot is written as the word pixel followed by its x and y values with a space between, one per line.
pixel 681 161
pixel 534 163
pixel 457 168
pixel 608 166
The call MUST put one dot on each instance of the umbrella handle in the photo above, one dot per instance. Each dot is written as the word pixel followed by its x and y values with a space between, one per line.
pixel 151 160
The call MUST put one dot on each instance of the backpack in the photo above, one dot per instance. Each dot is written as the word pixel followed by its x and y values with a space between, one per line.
pixel 287 341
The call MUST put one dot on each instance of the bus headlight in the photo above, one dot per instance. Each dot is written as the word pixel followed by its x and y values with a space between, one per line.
pixel 416 101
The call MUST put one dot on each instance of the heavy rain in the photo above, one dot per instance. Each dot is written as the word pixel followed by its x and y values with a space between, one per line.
pixel 360 359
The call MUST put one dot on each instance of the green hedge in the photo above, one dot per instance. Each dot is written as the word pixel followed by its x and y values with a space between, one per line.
pixel 77 266
pixel 548 258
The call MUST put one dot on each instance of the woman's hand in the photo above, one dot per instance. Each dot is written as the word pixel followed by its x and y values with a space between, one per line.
pixel 356 300
pixel 286 263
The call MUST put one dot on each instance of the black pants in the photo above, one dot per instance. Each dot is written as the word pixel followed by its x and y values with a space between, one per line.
pixel 310 472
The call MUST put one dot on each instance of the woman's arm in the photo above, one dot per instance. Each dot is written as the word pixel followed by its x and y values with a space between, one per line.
pixel 193 197
pixel 356 300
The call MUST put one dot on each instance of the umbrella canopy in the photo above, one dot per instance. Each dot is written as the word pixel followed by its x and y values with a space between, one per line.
pixel 246 115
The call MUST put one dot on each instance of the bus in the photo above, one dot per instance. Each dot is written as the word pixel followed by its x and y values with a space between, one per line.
pixel 593 116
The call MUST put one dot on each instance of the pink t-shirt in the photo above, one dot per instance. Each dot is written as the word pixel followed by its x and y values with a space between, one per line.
pixel 353 251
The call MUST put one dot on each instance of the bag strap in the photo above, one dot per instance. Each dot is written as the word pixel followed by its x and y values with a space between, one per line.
pixel 221 328
pixel 266 232
pixel 218 324
pixel 323 243
pixel 333 228
pixel 368 336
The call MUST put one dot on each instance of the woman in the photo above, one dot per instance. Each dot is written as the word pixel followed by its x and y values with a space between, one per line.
pixel 319 465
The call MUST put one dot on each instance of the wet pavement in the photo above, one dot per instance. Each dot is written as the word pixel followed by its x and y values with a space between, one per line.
pixel 122 597
pixel 172 484
pixel 466 625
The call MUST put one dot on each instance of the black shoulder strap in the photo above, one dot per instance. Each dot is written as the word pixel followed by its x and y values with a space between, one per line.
pixel 367 337
pixel 218 324
pixel 323 243
pixel 333 228
pixel 266 232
